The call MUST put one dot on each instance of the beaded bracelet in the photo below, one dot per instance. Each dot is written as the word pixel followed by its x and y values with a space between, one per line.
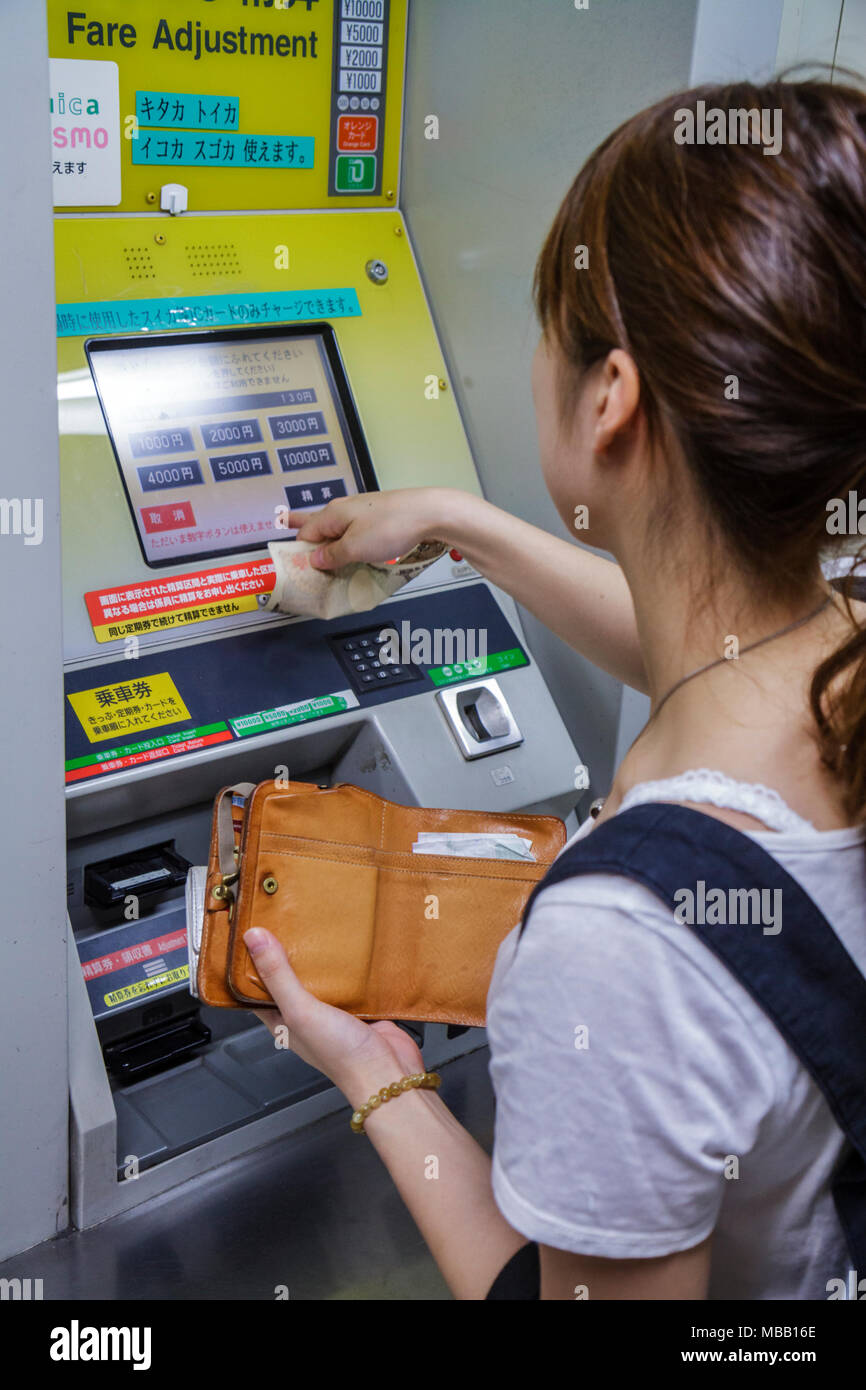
pixel 425 1080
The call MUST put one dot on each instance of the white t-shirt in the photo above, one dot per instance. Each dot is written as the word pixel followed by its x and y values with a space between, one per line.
pixel 632 1072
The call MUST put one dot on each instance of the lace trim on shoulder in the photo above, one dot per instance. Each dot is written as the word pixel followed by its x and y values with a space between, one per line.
pixel 715 788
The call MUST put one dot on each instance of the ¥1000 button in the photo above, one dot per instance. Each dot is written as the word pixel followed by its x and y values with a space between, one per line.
pixel 270 884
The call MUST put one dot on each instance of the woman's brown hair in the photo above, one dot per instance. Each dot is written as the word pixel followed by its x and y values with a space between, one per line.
pixel 736 280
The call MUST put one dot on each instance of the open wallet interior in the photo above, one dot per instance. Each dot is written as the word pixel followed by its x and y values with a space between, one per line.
pixel 369 923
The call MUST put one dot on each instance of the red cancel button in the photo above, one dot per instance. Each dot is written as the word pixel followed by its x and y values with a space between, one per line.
pixel 171 517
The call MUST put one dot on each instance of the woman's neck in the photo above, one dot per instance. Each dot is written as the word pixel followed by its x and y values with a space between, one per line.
pixel 749 715
pixel 685 627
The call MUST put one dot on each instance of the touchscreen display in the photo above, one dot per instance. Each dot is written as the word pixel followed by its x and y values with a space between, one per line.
pixel 218 434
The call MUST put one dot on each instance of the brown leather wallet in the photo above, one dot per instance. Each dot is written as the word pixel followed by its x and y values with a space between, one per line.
pixel 367 925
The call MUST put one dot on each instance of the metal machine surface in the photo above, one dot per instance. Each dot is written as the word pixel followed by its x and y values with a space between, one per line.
pixel 217 361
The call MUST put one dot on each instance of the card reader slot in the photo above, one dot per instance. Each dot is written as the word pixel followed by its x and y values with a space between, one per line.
pixel 149 869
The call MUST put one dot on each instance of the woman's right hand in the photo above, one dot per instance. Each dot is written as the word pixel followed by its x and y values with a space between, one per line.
pixel 373 527
pixel 581 597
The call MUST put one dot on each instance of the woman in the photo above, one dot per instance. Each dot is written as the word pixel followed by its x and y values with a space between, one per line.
pixel 699 390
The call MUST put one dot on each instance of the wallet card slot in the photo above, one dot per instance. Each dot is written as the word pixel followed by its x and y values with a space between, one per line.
pixel 325 921
pixel 510 869
pixel 282 837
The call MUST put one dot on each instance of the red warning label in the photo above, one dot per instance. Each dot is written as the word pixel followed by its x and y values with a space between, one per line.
pixel 153 604
pixel 132 955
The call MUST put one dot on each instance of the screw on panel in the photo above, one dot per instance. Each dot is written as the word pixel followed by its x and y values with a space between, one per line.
pixel 159 238
pixel 377 271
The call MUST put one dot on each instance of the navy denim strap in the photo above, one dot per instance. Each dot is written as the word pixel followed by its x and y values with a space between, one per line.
pixel 520 1278
pixel 802 977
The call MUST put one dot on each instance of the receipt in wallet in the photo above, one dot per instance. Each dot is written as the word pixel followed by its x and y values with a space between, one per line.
pixel 465 845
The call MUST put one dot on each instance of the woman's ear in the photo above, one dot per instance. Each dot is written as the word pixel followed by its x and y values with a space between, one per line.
pixel 617 398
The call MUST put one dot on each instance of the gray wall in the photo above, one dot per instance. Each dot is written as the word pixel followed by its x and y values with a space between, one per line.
pixel 33 1069
pixel 739 39
pixel 524 90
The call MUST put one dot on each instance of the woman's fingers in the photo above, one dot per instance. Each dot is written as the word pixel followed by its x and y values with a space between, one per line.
pixel 322 525
pixel 372 527
pixel 327 1038
pixel 333 526
pixel 277 975
pixel 271 1018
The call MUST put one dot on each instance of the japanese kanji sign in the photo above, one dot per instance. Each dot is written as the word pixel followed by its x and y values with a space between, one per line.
pixel 155 605
pixel 128 706
pixel 204 311
pixel 226 151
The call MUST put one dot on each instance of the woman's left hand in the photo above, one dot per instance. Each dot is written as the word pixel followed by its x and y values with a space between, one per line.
pixel 357 1057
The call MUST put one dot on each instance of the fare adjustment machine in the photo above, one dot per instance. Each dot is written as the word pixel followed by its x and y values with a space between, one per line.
pixel 218 366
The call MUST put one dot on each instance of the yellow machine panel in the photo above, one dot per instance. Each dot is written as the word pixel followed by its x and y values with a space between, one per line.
pixel 122 275
pixel 248 104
